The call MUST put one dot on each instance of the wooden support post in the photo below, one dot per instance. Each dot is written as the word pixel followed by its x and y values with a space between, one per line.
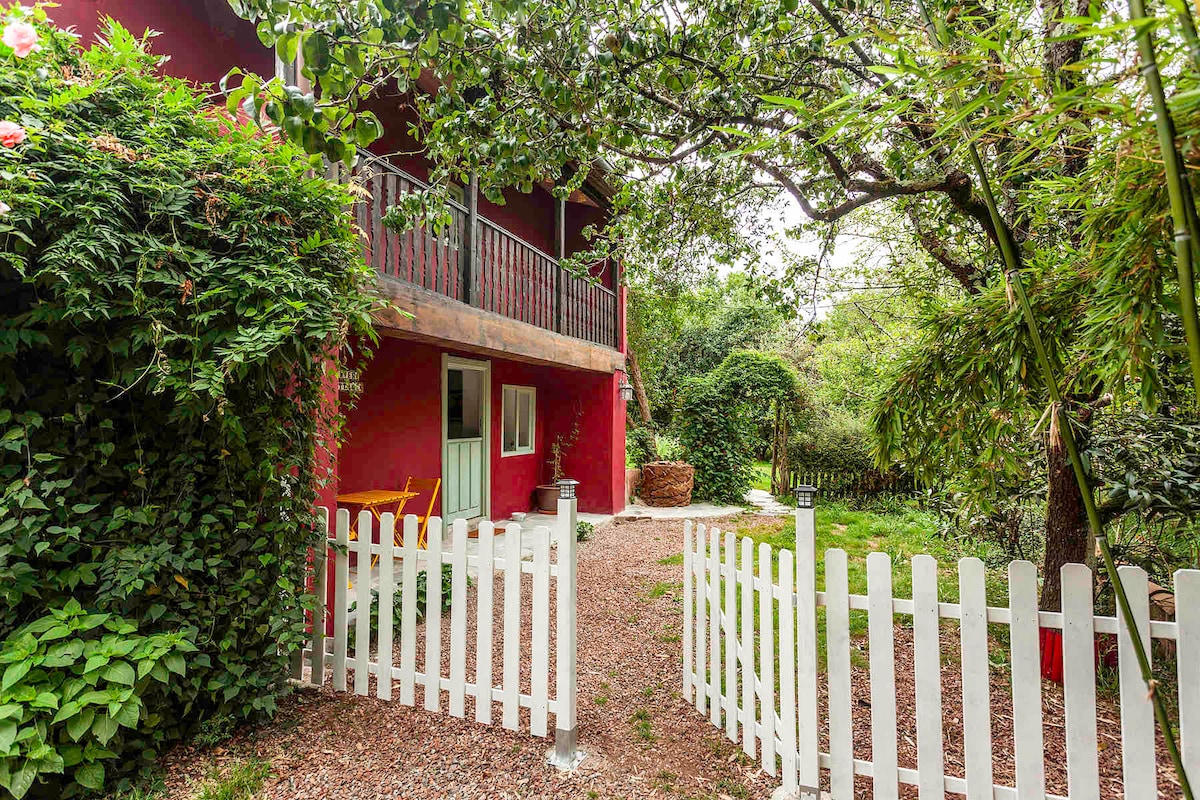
pixel 470 255
pixel 560 250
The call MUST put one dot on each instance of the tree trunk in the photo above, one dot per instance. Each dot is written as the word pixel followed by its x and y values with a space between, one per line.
pixel 775 452
pixel 780 465
pixel 639 388
pixel 1067 534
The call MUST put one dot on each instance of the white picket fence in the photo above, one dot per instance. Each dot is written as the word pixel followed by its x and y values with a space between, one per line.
pixel 524 679
pixel 735 681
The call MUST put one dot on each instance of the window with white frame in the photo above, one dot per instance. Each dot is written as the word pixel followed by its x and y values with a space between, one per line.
pixel 520 412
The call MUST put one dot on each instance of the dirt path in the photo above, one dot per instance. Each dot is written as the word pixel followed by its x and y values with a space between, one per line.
pixel 642 740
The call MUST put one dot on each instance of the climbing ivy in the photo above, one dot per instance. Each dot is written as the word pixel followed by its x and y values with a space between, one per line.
pixel 170 296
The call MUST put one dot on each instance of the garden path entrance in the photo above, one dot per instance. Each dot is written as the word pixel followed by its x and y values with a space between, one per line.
pixel 641 738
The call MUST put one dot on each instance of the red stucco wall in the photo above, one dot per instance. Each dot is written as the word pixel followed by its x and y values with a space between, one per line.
pixel 204 38
pixel 395 429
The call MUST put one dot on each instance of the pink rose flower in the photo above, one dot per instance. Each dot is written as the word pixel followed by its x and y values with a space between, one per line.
pixel 11 134
pixel 22 38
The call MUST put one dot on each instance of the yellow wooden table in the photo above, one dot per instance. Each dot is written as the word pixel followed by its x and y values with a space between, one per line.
pixel 376 501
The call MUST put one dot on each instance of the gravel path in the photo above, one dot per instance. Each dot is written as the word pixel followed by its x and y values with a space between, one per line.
pixel 642 740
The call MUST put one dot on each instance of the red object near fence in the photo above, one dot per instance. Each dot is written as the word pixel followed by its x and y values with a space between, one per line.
pixel 1052 652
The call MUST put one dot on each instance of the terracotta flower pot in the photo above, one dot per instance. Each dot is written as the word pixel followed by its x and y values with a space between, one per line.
pixel 667 483
pixel 547 499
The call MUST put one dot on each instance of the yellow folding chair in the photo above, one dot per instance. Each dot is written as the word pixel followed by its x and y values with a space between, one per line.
pixel 416 486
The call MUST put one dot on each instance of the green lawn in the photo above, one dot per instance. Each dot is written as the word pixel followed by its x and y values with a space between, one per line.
pixel 901 533
pixel 762 476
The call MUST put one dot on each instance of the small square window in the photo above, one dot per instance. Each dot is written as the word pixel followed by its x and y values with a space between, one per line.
pixel 519 417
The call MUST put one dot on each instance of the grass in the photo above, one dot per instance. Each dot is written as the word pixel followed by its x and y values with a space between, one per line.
pixel 675 560
pixel 663 588
pixel 241 782
pixel 643 731
pixel 901 532
pixel 761 476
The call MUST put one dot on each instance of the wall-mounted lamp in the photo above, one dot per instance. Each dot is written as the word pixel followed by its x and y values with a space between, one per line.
pixel 625 388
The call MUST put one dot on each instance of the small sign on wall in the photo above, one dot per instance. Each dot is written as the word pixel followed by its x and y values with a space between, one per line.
pixel 350 381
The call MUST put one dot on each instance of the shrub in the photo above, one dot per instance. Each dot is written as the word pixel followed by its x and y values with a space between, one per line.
pixel 640 446
pixel 584 531
pixel 170 298
pixel 716 420
pixel 715 436
pixel 668 447
pixel 422 593
pixel 831 440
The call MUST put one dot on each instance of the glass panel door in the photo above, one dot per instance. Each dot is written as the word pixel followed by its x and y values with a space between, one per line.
pixel 463 476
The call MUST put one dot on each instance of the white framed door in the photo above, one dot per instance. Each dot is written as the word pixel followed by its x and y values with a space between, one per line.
pixel 466 418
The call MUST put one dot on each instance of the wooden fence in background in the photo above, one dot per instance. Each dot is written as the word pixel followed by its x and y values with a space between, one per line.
pixel 836 483
pixel 750 661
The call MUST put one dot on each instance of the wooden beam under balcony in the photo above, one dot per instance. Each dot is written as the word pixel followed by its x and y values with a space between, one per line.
pixel 446 322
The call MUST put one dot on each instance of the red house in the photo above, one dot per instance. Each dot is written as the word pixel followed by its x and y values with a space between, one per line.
pixel 504 351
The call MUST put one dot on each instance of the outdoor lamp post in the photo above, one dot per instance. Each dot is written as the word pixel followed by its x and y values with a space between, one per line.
pixel 566 489
pixel 806 495
pixel 806 525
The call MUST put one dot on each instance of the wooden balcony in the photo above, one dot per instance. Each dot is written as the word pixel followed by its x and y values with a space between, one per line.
pixel 476 262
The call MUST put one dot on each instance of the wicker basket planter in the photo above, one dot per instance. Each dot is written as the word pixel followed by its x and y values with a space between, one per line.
pixel 667 483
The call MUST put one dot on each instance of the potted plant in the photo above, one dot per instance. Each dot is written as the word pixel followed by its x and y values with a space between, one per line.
pixel 547 493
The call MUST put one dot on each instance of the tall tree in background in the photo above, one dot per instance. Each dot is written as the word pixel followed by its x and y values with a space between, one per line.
pixel 714 117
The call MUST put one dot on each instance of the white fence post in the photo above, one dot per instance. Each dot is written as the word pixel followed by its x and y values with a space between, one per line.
pixel 786 736
pixel 566 726
pixel 807 741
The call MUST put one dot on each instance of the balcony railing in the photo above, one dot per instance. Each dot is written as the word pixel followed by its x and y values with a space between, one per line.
pixel 483 265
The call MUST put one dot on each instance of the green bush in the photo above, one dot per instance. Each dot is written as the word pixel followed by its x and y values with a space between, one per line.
pixel 75 685
pixel 668 447
pixel 170 297
pixel 715 434
pixel 716 420
pixel 831 440
pixel 640 446
pixel 584 531
pixel 422 593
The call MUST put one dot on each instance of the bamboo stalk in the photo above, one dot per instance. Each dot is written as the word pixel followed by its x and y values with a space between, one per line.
pixel 1187 26
pixel 1013 273
pixel 1176 190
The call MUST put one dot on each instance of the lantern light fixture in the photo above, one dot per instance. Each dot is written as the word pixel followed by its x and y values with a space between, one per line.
pixel 806 495
pixel 625 388
pixel 566 489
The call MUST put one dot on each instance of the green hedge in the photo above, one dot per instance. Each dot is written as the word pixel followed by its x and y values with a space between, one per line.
pixel 717 423
pixel 168 299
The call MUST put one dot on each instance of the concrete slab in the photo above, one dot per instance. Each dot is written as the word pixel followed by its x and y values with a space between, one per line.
pixel 694 511
pixel 534 519
pixel 766 504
